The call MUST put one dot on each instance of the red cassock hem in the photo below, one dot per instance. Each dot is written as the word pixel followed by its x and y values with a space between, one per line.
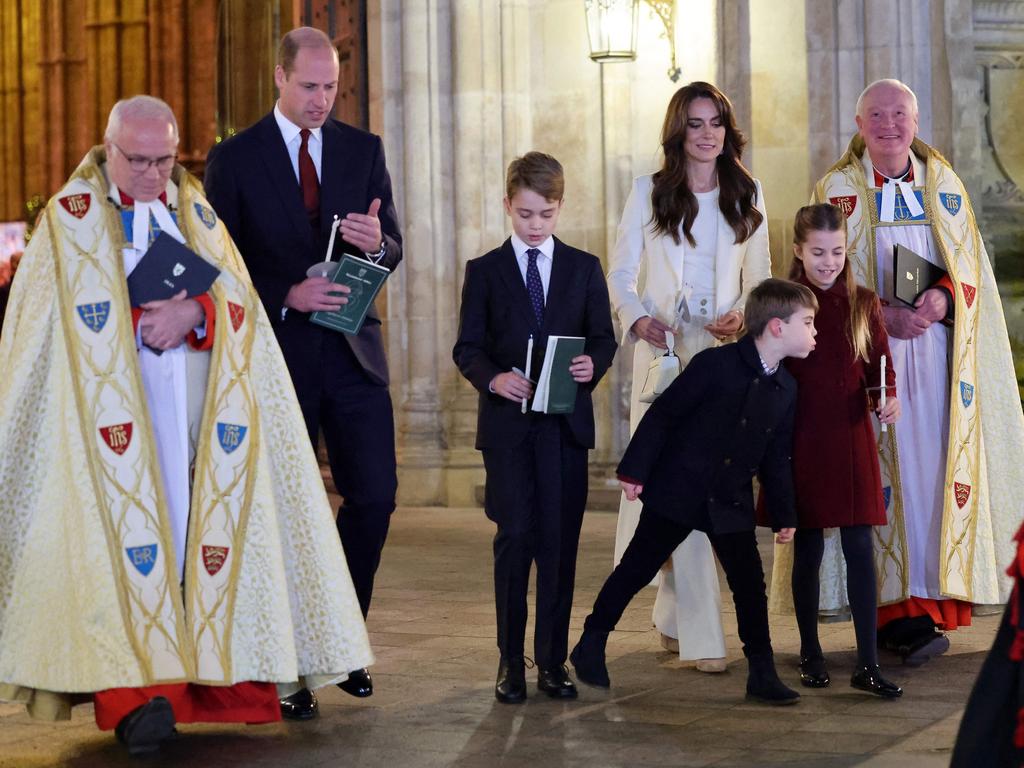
pixel 248 702
pixel 947 614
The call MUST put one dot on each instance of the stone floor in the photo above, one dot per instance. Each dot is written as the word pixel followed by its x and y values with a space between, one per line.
pixel 432 627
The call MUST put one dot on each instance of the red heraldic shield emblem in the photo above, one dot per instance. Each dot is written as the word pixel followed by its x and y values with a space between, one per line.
pixel 845 203
pixel 237 312
pixel 962 492
pixel 213 558
pixel 76 205
pixel 969 291
pixel 117 437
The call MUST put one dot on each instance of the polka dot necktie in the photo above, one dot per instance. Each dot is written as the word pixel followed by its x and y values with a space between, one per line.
pixel 534 287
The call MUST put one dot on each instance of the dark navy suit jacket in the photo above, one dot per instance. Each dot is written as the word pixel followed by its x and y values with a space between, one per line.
pixel 496 320
pixel 252 187
pixel 699 445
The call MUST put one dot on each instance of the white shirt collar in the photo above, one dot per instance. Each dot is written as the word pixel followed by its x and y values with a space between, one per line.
pixel 547 248
pixel 290 130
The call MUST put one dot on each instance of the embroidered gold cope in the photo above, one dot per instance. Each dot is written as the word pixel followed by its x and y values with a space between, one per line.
pixel 89 597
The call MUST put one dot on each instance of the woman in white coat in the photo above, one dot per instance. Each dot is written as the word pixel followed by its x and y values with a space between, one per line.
pixel 692 242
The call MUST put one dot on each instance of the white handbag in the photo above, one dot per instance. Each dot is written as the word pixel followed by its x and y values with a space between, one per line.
pixel 661 372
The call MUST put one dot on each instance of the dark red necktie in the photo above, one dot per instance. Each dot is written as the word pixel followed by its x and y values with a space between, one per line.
pixel 308 181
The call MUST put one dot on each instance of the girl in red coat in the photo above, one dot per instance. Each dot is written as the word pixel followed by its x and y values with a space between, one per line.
pixel 835 458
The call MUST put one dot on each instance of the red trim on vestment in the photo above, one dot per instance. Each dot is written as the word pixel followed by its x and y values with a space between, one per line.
pixel 947 614
pixel 211 318
pixel 248 702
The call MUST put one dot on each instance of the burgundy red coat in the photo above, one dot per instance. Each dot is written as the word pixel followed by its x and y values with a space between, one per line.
pixel 835 456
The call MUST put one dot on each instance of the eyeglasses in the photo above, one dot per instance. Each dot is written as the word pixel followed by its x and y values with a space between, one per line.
pixel 140 164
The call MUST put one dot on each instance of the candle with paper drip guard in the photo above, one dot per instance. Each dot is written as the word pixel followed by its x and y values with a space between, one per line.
pixel 881 395
pixel 326 268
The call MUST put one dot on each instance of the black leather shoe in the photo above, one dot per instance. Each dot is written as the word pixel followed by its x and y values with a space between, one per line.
pixel 556 683
pixel 301 705
pixel 510 687
pixel 359 684
pixel 870 679
pixel 144 728
pixel 588 658
pixel 814 673
pixel 925 646
pixel 764 685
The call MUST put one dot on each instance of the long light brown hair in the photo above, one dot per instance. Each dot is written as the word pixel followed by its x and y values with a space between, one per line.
pixel 825 217
pixel 672 201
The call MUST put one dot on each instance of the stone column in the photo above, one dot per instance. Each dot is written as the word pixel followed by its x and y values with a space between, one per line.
pixel 414 105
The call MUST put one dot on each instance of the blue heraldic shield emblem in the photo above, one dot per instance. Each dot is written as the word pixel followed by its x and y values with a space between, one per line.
pixel 94 315
pixel 206 215
pixel 143 558
pixel 951 202
pixel 230 435
pixel 887 495
pixel 966 393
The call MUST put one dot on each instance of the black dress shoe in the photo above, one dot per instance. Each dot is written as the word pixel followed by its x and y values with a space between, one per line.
pixel 359 684
pixel 588 658
pixel 301 705
pixel 917 650
pixel 814 673
pixel 556 683
pixel 510 687
pixel 144 728
pixel 764 685
pixel 870 679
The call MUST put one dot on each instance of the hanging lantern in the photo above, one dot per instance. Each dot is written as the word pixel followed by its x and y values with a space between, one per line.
pixel 612 27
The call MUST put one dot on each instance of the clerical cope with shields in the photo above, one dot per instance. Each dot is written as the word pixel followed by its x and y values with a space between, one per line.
pixel 166 544
pixel 949 474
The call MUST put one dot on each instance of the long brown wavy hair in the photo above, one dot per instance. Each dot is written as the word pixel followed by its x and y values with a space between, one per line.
pixel 672 201
pixel 825 217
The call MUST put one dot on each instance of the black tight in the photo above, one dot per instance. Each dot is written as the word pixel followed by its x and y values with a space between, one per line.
pixel 861 589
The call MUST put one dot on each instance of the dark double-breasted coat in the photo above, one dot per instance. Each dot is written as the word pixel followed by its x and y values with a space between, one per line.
pixel 698 447
pixel 835 454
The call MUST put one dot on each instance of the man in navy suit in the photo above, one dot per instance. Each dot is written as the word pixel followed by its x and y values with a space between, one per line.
pixel 278 185
pixel 536 463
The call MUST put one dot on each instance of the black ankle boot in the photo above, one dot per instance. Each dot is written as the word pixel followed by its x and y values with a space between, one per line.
pixel 813 672
pixel 588 658
pixel 869 678
pixel 763 683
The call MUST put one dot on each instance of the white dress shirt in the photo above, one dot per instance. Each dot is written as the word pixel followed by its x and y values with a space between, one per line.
pixel 547 250
pixel 292 140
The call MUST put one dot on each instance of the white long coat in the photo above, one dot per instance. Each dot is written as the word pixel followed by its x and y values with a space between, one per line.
pixel 645 277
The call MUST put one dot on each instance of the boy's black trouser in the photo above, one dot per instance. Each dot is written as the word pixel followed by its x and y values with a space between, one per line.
pixel 655 539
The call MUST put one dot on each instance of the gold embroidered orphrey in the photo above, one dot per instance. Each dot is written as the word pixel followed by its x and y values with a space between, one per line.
pixel 981 508
pixel 84 530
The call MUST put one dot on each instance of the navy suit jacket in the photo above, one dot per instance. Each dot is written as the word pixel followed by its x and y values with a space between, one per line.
pixel 699 445
pixel 250 183
pixel 495 323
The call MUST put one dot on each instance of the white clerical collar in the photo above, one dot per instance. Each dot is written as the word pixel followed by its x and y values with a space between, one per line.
pixel 547 248
pixel 290 130
pixel 887 207
pixel 142 211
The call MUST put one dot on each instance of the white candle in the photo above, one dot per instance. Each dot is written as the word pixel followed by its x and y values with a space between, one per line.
pixel 881 395
pixel 529 359
pixel 330 243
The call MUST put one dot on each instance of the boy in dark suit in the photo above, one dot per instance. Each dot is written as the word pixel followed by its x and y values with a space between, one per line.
pixel 536 464
pixel 728 415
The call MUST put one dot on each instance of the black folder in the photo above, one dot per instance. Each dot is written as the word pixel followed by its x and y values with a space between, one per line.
pixel 912 275
pixel 167 268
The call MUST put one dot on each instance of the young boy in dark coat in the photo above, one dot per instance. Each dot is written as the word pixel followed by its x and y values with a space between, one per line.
pixel 533 286
pixel 727 416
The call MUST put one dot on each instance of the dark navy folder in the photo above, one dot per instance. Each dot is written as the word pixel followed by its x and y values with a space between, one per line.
pixel 167 268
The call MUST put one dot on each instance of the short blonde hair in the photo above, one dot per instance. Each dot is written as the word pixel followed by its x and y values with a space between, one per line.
pixel 538 172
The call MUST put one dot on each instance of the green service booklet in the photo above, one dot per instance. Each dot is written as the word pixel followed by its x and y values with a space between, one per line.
pixel 556 388
pixel 365 279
